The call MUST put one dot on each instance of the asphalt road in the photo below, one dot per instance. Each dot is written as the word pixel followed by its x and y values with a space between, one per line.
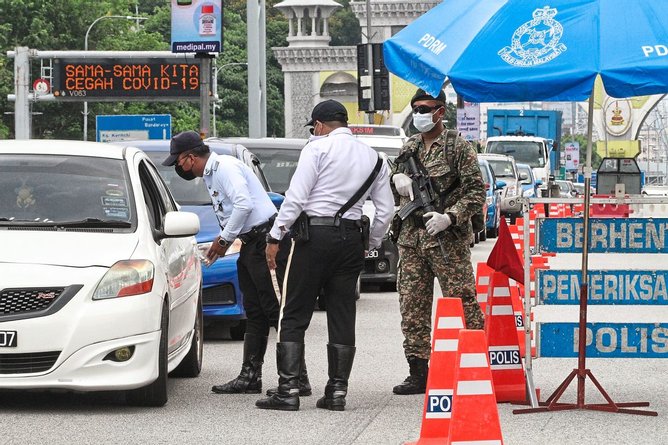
pixel 374 415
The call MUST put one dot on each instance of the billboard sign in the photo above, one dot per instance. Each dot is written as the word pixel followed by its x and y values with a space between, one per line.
pixel 197 26
pixel 113 79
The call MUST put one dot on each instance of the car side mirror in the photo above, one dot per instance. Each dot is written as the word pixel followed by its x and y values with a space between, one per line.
pixel 539 182
pixel 180 224
pixel 500 184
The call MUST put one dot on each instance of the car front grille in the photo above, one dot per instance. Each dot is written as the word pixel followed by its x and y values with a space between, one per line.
pixel 27 363
pixel 219 295
pixel 18 301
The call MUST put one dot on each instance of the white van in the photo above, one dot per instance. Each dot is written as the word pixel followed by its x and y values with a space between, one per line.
pixel 531 150
pixel 386 138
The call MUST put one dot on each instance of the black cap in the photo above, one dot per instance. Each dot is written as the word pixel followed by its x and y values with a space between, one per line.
pixel 421 94
pixel 184 141
pixel 329 110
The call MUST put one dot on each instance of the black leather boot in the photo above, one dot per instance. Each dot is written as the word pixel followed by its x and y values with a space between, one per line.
pixel 340 362
pixel 289 357
pixel 304 384
pixel 416 382
pixel 249 380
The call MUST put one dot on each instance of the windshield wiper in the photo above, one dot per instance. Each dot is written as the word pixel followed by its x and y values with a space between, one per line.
pixel 93 222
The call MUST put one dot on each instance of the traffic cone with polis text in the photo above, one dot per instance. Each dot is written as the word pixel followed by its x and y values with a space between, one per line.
pixel 475 416
pixel 437 409
pixel 504 350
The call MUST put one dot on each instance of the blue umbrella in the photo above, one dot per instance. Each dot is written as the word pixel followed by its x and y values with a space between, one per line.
pixel 522 50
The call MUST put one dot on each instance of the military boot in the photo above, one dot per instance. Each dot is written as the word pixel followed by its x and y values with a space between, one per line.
pixel 289 357
pixel 340 362
pixel 249 380
pixel 416 382
pixel 304 384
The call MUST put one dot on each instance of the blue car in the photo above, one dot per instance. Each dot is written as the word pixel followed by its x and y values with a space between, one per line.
pixel 528 181
pixel 492 190
pixel 223 301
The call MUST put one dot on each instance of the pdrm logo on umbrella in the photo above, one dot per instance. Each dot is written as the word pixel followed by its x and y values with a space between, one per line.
pixel 537 41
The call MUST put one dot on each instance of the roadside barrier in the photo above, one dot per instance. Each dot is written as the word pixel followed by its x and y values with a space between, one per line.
pixel 475 416
pixel 437 410
pixel 502 339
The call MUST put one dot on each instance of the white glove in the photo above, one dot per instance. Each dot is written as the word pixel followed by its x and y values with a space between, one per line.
pixel 404 185
pixel 437 222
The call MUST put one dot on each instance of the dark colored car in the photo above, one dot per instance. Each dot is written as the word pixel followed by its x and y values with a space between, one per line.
pixel 279 157
pixel 222 298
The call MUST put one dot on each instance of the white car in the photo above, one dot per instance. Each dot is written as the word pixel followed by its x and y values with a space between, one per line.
pixel 100 280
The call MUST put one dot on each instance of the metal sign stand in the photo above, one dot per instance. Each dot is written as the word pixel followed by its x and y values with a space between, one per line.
pixel 581 372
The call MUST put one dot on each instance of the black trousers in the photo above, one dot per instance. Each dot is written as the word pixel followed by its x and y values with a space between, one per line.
pixel 260 300
pixel 331 260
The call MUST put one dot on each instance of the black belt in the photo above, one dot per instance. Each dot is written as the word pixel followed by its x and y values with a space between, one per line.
pixel 261 229
pixel 331 221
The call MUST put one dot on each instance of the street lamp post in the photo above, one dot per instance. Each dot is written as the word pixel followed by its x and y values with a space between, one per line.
pixel 85 105
pixel 215 91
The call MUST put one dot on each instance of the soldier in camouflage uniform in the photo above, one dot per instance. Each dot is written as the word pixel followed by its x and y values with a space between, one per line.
pixel 451 163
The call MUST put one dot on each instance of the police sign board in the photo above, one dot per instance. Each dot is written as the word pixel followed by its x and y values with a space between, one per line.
pixel 638 287
pixel 133 127
pixel 622 235
pixel 605 340
pixel 439 404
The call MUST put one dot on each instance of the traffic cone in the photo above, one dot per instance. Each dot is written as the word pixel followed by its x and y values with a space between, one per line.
pixel 440 380
pixel 504 349
pixel 482 276
pixel 475 416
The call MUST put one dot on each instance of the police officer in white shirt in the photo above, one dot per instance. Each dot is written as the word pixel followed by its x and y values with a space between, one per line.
pixel 332 168
pixel 244 211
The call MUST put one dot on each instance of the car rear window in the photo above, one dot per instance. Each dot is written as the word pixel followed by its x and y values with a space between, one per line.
pixel 56 188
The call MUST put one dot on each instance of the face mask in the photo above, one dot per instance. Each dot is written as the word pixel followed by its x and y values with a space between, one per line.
pixel 187 175
pixel 423 122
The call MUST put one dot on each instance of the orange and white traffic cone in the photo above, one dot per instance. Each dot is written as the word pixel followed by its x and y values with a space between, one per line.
pixel 504 349
pixel 440 380
pixel 475 416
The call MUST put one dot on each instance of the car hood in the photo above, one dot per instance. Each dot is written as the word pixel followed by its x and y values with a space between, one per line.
pixel 72 249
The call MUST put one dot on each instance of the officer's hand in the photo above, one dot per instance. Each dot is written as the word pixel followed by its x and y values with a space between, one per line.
pixel 436 222
pixel 215 251
pixel 404 185
pixel 270 252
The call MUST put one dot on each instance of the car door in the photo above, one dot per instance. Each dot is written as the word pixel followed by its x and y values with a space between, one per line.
pixel 179 260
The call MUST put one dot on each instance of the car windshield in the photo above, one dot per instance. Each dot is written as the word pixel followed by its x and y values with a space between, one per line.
pixel 278 165
pixel 60 189
pixel 563 186
pixel 524 169
pixel 185 192
pixel 524 152
pixel 502 168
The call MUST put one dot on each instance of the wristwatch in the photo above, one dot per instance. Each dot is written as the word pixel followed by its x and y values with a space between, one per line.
pixel 222 242
pixel 271 240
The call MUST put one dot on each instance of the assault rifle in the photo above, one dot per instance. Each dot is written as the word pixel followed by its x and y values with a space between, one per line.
pixel 423 192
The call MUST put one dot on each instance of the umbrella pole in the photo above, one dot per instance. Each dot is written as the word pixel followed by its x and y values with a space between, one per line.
pixel 552 403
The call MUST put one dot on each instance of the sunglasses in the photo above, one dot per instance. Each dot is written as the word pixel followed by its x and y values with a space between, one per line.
pixel 424 109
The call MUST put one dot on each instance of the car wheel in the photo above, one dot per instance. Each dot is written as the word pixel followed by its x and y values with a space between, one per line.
pixel 154 394
pixel 191 365
pixel 493 232
pixel 483 235
pixel 358 287
pixel 238 331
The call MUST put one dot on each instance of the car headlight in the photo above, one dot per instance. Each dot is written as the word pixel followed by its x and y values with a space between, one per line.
pixel 203 248
pixel 126 278
pixel 489 200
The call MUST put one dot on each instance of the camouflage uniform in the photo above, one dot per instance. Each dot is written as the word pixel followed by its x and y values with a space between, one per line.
pixel 420 257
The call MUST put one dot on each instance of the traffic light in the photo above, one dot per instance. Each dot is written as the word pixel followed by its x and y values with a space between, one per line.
pixel 381 79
